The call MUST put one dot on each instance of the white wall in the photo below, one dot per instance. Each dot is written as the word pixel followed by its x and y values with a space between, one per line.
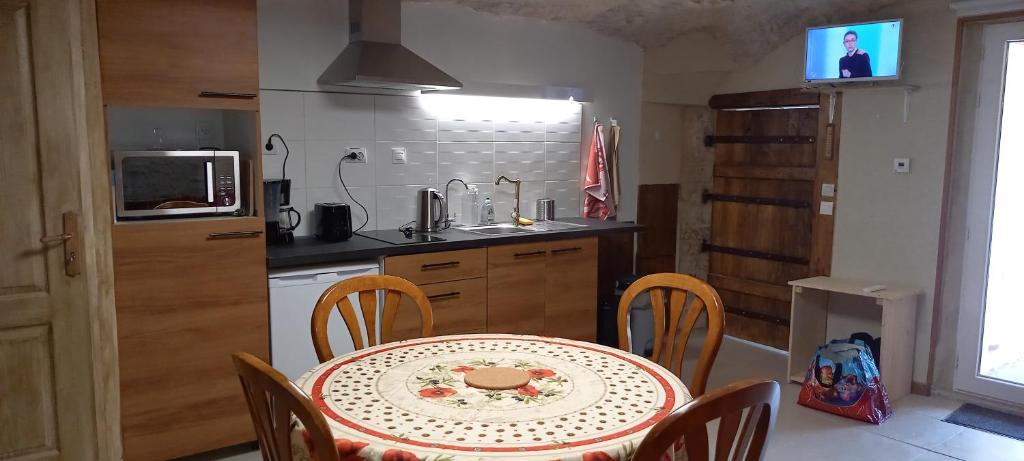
pixel 887 225
pixel 143 128
pixel 444 137
pixel 298 39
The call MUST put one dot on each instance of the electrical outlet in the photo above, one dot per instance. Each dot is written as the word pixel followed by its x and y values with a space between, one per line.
pixel 204 133
pixel 360 155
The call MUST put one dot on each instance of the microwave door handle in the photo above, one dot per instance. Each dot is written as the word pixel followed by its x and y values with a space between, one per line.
pixel 209 182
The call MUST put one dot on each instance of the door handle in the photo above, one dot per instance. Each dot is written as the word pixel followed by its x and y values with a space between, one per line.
pixel 452 294
pixel 55 238
pixel 444 265
pixel 531 254
pixel 233 235
pixel 71 243
pixel 227 95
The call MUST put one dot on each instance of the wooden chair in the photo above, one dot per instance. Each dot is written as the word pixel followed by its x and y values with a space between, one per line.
pixel 337 296
pixel 744 436
pixel 668 350
pixel 272 401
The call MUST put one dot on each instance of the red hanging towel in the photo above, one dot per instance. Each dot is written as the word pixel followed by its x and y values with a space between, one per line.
pixel 597 202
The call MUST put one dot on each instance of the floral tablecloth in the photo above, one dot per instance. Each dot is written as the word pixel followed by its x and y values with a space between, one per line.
pixel 407 401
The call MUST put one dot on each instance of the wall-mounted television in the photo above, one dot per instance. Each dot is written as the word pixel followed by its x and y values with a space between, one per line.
pixel 854 52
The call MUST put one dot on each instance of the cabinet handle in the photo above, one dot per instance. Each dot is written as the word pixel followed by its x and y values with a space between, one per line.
pixel 233 235
pixel 226 94
pixel 531 254
pixel 453 294
pixel 444 265
pixel 566 250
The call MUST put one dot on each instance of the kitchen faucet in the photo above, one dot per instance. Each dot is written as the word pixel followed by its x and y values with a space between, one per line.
pixel 515 208
pixel 447 219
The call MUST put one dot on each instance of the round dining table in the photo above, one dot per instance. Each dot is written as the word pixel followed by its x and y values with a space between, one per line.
pixel 409 400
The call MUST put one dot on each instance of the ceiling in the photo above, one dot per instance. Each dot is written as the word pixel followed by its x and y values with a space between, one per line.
pixel 747 26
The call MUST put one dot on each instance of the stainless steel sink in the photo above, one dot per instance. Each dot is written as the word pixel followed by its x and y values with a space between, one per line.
pixel 542 226
pixel 508 228
pixel 496 229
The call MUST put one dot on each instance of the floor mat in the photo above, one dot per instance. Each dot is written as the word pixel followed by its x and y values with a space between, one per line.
pixel 987 420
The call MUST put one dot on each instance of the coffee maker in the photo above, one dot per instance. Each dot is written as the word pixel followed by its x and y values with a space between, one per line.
pixel 276 195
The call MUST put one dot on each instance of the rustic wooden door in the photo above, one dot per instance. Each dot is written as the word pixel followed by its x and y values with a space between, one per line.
pixel 53 401
pixel 774 151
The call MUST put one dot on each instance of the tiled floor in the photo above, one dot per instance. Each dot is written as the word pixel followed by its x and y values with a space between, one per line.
pixel 914 433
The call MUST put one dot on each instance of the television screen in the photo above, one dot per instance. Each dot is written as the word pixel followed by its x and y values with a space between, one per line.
pixel 853 52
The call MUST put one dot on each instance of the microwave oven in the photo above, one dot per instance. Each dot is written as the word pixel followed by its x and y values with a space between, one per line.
pixel 149 184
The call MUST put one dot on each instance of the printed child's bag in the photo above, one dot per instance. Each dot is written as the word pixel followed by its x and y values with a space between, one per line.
pixel 844 380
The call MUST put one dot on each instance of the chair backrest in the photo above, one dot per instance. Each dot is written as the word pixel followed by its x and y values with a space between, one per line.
pixel 668 350
pixel 746 411
pixel 367 286
pixel 272 401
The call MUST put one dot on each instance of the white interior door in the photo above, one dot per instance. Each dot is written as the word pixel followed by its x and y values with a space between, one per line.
pixel 990 349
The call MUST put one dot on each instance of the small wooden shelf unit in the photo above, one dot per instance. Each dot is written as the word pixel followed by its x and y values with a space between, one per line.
pixel 826 308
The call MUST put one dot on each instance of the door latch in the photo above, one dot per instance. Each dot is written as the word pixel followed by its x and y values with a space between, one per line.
pixel 71 242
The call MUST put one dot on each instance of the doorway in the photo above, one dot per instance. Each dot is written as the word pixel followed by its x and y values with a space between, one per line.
pixel 990 347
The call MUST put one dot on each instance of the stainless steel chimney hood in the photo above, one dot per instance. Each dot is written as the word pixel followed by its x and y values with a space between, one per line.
pixel 375 60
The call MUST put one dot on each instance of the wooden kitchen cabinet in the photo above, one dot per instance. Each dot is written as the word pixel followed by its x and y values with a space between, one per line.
pixel 543 288
pixel 179 53
pixel 516 283
pixel 441 266
pixel 459 307
pixel 455 282
pixel 571 289
pixel 188 296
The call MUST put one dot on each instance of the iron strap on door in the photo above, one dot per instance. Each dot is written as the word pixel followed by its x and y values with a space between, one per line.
pixel 757 316
pixel 711 140
pixel 707 196
pixel 706 247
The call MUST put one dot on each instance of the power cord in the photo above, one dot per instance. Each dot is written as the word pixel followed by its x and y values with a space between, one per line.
pixel 287 152
pixel 407 228
pixel 352 156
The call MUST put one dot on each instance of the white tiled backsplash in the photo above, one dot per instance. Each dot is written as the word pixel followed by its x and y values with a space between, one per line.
pixel 474 139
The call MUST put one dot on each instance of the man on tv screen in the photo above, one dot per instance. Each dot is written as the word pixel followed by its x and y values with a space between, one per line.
pixel 856 63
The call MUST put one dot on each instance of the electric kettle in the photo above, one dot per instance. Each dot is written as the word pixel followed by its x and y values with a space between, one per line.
pixel 431 208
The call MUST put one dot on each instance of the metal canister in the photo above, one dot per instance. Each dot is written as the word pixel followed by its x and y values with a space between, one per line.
pixel 545 209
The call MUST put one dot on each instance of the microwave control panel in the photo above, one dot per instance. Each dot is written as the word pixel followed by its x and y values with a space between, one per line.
pixel 225 193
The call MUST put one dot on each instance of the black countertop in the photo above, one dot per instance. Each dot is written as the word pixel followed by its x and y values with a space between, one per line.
pixel 308 250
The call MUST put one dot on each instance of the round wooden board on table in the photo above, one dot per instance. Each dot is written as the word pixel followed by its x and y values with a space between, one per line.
pixel 497 378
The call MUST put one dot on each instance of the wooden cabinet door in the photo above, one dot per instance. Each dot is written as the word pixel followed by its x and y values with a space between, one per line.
pixel 440 266
pixel 571 288
pixel 459 307
pixel 179 53
pixel 188 296
pixel 516 286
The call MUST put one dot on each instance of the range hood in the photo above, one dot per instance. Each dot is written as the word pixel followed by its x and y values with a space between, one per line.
pixel 375 60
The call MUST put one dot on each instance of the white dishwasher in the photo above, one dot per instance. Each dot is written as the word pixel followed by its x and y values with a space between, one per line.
pixel 293 295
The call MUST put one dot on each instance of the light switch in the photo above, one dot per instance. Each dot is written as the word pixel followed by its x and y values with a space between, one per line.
pixel 901 165
pixel 826 208
pixel 828 190
pixel 398 155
